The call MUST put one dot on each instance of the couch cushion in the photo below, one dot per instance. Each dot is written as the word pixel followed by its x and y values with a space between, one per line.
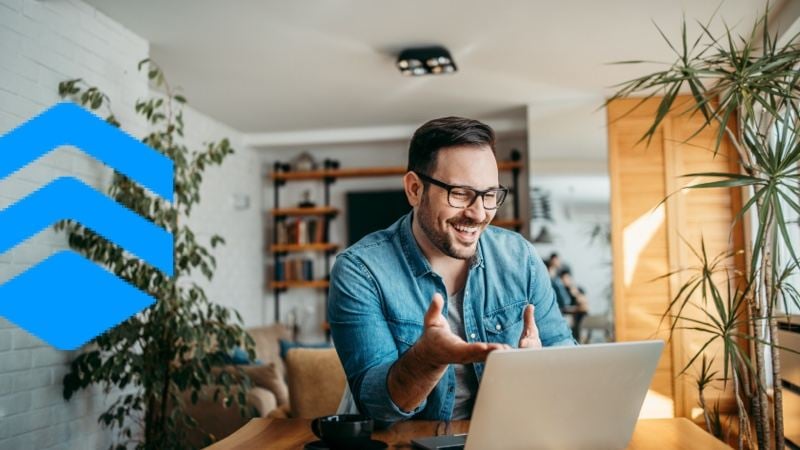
pixel 267 376
pixel 267 349
pixel 316 381
pixel 288 345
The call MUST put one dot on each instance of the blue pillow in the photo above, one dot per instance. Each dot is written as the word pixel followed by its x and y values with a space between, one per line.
pixel 288 345
pixel 237 356
pixel 240 356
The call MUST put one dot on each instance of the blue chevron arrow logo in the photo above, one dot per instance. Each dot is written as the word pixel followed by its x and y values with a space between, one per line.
pixel 66 300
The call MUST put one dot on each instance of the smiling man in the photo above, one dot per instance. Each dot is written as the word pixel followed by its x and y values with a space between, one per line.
pixel 415 309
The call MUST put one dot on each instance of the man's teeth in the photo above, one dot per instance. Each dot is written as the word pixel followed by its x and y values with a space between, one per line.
pixel 464 229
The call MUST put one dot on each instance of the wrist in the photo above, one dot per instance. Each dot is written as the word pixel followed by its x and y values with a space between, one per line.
pixel 422 357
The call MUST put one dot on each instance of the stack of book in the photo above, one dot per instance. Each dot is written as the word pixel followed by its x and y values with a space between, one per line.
pixel 305 230
pixel 295 269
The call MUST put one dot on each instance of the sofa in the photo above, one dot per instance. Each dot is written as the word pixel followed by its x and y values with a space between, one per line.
pixel 309 383
pixel 269 390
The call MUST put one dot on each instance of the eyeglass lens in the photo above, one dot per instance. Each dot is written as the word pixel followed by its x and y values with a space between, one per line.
pixel 462 198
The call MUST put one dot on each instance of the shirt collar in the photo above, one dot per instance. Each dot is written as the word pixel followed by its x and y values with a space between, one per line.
pixel 416 259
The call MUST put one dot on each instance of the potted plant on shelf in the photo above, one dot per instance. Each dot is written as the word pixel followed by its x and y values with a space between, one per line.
pixel 748 87
pixel 167 353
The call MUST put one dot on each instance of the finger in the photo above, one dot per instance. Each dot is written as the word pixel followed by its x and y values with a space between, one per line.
pixel 533 330
pixel 476 352
pixel 434 312
pixel 530 324
pixel 527 326
pixel 530 332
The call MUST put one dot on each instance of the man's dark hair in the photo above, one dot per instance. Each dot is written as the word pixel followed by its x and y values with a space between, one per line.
pixel 445 132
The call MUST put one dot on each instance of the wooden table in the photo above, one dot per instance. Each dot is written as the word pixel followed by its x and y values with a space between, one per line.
pixel 666 434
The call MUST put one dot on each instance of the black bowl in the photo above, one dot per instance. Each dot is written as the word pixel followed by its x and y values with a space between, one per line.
pixel 343 430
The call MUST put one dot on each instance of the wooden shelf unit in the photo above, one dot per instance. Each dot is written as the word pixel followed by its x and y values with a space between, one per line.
pixel 312 211
pixel 366 172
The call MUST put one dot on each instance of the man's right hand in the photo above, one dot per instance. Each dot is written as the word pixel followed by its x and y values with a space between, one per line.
pixel 439 346
pixel 415 374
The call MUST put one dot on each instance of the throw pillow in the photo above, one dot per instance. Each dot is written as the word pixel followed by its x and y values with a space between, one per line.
pixel 288 345
pixel 237 356
pixel 267 376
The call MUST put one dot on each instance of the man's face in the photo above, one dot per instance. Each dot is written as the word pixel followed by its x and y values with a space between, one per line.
pixel 452 231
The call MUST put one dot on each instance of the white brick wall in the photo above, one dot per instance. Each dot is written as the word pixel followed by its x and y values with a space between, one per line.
pixel 238 280
pixel 41 44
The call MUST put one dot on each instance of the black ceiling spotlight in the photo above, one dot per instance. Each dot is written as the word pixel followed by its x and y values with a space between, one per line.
pixel 425 60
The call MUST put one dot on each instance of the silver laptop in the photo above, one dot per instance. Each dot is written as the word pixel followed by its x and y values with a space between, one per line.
pixel 584 397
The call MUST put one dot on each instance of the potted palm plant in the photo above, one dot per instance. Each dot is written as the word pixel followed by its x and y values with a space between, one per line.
pixel 747 86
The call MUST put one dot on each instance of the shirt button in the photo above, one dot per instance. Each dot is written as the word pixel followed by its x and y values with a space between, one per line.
pixel 472 336
pixel 450 389
pixel 498 327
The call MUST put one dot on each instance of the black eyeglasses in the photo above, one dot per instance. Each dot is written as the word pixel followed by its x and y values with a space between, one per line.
pixel 464 196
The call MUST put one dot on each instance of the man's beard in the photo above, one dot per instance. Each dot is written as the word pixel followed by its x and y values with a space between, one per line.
pixel 442 240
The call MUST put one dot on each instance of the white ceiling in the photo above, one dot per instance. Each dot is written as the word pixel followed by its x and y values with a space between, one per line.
pixel 284 66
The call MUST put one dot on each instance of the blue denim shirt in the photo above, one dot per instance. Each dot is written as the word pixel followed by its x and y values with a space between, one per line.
pixel 382 286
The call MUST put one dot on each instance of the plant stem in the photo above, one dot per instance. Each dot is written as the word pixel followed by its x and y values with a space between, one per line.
pixel 744 156
pixel 705 412
pixel 777 390
pixel 164 400
pixel 765 292
pixel 742 411
pixel 750 384
pixel 149 417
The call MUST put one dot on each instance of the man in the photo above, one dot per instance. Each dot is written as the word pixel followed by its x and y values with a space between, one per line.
pixel 562 295
pixel 415 309
pixel 577 304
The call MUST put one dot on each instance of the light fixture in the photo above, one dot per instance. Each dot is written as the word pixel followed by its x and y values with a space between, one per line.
pixel 425 60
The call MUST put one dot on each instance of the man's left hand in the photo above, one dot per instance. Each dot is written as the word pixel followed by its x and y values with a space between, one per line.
pixel 530 334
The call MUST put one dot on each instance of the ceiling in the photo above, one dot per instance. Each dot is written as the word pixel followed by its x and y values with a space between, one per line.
pixel 287 66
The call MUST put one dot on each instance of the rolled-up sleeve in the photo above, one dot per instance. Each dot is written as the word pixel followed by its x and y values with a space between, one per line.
pixel 363 339
pixel 553 329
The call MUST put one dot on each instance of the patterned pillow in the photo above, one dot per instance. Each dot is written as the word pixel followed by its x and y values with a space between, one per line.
pixel 267 376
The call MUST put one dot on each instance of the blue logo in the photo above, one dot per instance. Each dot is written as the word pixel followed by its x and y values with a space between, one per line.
pixel 66 300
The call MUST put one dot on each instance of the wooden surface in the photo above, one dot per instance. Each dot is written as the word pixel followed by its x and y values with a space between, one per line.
pixel 315 247
pixel 313 284
pixel 510 223
pixel 651 235
pixel 663 434
pixel 313 211
pixel 365 172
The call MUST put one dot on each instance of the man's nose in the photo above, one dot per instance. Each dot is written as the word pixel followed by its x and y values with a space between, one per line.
pixel 476 212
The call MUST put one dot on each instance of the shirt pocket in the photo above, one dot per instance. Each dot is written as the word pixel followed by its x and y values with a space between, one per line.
pixel 406 333
pixel 504 325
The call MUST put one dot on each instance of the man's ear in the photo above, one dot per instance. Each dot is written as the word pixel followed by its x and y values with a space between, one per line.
pixel 414 188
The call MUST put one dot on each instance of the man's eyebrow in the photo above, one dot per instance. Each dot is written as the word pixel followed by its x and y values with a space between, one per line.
pixel 496 186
